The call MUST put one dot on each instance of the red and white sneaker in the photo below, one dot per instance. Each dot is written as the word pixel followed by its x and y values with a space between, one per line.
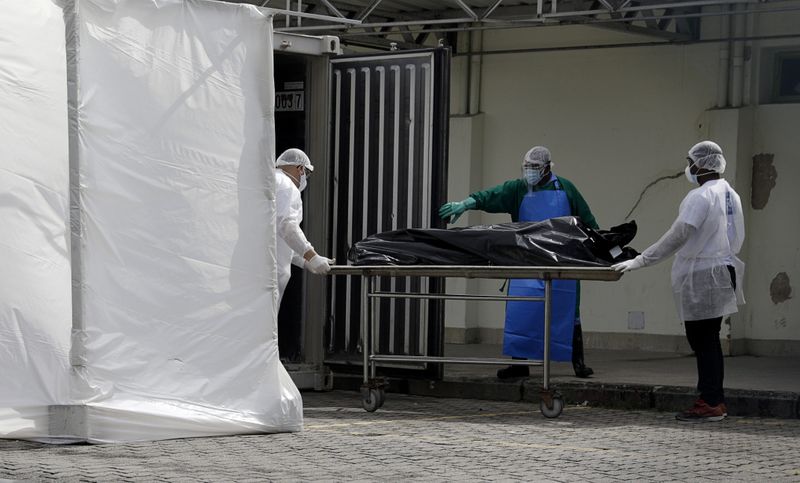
pixel 702 412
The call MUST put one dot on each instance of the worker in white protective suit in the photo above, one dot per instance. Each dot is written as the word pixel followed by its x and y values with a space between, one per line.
pixel 706 274
pixel 291 177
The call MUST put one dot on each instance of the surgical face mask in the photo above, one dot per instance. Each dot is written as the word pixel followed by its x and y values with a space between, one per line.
pixel 303 182
pixel 691 177
pixel 533 175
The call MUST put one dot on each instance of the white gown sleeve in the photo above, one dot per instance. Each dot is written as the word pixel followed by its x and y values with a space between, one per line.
pixel 288 214
pixel 291 233
pixel 669 243
pixel 298 260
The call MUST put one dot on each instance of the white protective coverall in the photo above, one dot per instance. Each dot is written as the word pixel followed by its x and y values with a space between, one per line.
pixel 292 242
pixel 707 235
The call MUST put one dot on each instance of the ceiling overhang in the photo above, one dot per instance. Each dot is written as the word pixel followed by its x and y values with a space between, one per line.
pixel 407 24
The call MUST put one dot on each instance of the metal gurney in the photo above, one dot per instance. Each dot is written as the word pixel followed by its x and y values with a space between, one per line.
pixel 373 389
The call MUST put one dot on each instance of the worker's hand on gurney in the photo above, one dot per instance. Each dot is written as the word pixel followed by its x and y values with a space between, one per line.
pixel 454 209
pixel 319 265
pixel 629 265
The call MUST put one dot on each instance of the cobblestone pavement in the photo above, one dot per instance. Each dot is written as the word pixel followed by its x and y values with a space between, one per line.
pixel 427 439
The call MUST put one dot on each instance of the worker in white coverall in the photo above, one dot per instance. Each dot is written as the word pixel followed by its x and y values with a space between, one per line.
pixel 706 274
pixel 291 177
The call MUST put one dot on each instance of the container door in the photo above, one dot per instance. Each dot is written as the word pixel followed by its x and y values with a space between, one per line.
pixel 389 135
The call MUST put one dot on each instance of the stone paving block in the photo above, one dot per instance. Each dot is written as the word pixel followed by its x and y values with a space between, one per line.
pixel 673 399
pixel 490 391
pixel 763 403
pixel 614 396
pixel 429 439
pixel 617 396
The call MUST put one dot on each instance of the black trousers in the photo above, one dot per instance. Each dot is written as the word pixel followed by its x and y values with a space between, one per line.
pixel 703 338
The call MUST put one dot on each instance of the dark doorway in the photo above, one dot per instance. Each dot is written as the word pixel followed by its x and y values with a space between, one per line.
pixel 290 132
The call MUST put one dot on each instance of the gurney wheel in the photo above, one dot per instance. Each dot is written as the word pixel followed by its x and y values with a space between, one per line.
pixel 372 401
pixel 381 397
pixel 552 412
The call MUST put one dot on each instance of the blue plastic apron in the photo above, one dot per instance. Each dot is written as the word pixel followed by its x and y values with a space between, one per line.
pixel 524 328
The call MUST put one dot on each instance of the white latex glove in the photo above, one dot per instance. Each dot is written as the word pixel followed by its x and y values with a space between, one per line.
pixel 629 265
pixel 318 265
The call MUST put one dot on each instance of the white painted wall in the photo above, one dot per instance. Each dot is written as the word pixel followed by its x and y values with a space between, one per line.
pixel 774 244
pixel 616 119
pixel 466 150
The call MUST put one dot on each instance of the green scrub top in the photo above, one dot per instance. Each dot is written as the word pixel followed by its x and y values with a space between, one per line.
pixel 507 198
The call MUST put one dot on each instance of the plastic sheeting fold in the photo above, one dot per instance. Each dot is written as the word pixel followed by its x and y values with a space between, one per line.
pixel 173 240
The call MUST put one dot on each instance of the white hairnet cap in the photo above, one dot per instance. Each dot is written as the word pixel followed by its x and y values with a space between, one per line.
pixel 708 155
pixel 537 155
pixel 294 157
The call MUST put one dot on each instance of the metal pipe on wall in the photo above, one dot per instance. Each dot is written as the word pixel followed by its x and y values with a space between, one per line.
pixel 629 45
pixel 724 60
pixel 468 89
pixel 476 69
pixel 737 64
pixel 748 69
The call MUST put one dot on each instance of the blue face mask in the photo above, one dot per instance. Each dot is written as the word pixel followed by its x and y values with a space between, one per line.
pixel 533 175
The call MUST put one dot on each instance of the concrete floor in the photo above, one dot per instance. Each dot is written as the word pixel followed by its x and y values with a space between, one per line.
pixel 648 368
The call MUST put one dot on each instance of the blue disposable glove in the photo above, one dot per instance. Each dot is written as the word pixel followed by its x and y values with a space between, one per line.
pixel 455 209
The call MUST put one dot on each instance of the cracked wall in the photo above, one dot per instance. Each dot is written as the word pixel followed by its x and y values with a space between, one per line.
pixel 626 158
pixel 773 231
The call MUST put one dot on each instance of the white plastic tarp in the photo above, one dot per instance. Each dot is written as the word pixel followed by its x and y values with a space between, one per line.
pixel 35 293
pixel 173 248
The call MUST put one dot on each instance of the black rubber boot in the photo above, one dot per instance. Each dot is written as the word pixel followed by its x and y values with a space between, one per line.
pixel 513 371
pixel 581 370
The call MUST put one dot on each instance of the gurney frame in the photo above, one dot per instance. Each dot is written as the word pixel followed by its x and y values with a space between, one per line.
pixel 373 390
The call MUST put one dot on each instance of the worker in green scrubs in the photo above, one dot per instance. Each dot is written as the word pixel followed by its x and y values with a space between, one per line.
pixel 538 195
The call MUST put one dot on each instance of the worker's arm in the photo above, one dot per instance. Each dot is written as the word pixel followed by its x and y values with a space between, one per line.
pixel 669 243
pixel 693 213
pixel 291 233
pixel 665 247
pixel 288 213
pixel 502 198
pixel 288 210
pixel 298 260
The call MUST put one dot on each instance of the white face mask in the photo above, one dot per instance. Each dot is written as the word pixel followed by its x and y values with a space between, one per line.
pixel 691 177
pixel 303 182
